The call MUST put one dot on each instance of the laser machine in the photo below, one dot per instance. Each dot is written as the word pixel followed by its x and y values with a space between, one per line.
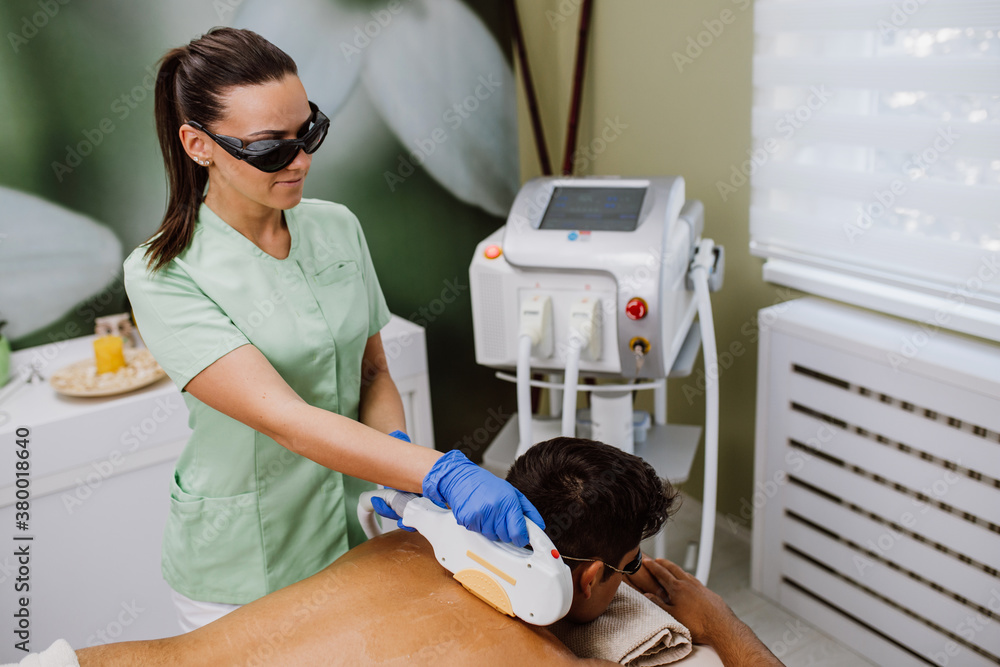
pixel 602 278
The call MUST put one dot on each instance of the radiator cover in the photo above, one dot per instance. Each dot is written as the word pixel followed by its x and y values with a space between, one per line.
pixel 876 504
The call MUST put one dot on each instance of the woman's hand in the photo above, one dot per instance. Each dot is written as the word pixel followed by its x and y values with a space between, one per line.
pixel 480 500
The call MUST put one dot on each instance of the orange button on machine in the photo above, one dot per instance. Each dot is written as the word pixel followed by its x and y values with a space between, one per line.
pixel 636 308
pixel 555 554
pixel 492 251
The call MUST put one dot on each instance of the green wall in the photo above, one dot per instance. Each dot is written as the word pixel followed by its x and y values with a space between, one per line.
pixel 71 75
pixel 691 119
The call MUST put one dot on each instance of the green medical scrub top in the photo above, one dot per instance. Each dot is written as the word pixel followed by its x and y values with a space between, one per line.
pixel 248 516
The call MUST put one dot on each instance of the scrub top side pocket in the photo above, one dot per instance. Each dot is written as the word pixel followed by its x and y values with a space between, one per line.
pixel 212 546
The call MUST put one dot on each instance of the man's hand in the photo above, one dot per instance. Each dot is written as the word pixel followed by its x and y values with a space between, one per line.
pixel 703 612
pixel 699 609
pixel 644 581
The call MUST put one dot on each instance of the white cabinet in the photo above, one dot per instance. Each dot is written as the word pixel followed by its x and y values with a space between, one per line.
pixel 100 469
pixel 876 502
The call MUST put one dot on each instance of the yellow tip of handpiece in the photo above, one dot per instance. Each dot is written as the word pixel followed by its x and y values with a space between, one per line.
pixel 486 589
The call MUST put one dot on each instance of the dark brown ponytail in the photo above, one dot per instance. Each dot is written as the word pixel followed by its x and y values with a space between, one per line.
pixel 189 86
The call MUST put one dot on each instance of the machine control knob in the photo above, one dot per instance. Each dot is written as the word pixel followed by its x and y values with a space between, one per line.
pixel 636 308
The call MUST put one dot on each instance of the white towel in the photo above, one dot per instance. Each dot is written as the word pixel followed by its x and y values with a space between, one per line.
pixel 633 631
pixel 60 654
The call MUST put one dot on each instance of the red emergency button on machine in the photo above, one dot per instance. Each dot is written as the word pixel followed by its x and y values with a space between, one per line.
pixel 555 554
pixel 492 251
pixel 636 308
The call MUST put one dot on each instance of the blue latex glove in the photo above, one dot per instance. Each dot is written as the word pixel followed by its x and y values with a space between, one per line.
pixel 480 500
pixel 381 506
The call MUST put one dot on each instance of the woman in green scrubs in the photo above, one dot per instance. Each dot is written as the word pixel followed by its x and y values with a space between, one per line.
pixel 265 310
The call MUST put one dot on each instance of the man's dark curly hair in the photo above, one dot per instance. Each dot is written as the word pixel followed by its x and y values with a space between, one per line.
pixel 597 500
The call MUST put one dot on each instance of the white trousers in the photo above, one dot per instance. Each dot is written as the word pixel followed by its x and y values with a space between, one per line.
pixel 192 614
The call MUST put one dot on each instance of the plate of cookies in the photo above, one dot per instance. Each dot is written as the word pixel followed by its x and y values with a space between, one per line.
pixel 122 370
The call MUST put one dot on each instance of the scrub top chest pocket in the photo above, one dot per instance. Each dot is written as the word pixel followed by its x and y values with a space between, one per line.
pixel 339 290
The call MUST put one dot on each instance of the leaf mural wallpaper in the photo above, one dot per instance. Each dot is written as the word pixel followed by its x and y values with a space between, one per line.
pixel 422 147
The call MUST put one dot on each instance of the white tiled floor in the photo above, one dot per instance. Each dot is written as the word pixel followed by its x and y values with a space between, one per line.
pixel 793 641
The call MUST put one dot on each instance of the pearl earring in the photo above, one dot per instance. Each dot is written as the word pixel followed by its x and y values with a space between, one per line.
pixel 203 163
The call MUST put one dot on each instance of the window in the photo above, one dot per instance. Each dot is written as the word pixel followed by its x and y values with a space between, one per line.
pixel 875 166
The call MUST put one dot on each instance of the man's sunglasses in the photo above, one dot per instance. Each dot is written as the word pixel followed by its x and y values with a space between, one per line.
pixel 630 569
pixel 271 155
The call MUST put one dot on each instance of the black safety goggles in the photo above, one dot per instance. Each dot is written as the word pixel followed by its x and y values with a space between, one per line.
pixel 630 569
pixel 271 155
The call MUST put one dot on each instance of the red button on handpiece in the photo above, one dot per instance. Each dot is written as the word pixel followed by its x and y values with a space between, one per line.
pixel 636 308
pixel 555 554
pixel 492 251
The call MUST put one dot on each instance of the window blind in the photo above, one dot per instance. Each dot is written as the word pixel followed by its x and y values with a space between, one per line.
pixel 875 162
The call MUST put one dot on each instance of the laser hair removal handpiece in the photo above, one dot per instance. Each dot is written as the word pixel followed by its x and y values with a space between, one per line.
pixel 534 585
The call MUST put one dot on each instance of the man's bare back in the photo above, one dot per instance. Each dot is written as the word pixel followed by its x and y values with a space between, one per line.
pixel 385 602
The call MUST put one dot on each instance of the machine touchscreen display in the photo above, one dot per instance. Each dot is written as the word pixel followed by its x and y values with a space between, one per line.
pixel 594 208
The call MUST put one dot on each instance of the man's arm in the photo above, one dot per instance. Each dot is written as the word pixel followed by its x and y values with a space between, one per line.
pixel 704 613
pixel 147 653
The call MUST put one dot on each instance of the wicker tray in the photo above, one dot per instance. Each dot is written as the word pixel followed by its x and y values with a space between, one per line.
pixel 81 378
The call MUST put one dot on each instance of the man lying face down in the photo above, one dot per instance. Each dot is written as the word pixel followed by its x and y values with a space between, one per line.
pixel 598 503
pixel 389 602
